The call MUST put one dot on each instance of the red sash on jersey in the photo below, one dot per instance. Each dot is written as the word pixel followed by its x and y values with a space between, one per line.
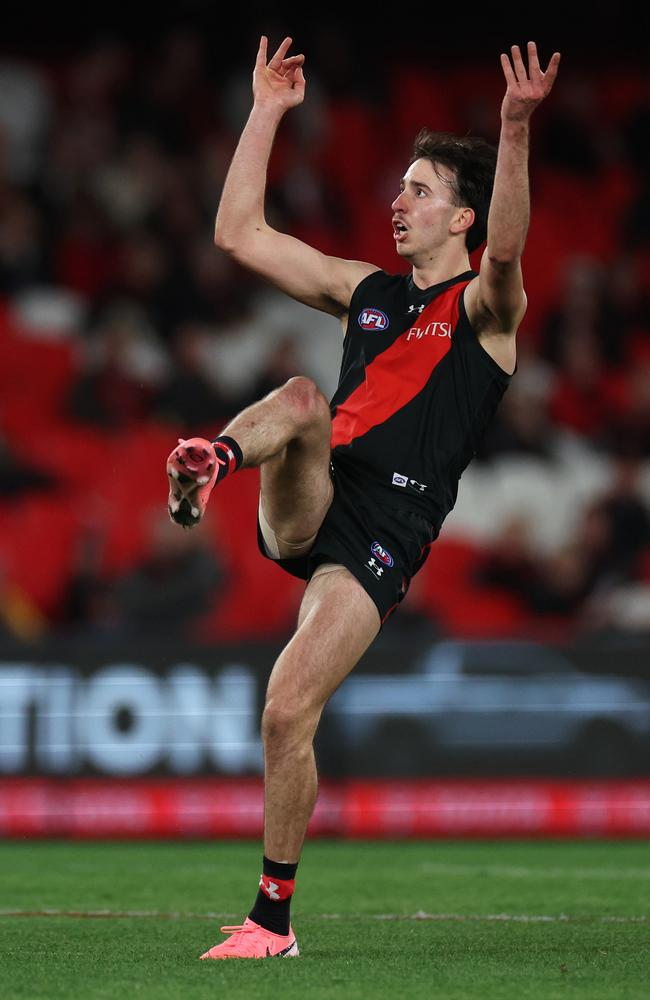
pixel 399 373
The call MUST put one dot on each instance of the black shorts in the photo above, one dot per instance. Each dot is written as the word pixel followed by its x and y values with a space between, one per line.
pixel 382 547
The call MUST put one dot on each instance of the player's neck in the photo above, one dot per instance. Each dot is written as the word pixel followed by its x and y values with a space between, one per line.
pixel 441 268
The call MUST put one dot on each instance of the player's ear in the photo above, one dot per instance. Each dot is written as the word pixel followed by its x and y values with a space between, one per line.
pixel 462 220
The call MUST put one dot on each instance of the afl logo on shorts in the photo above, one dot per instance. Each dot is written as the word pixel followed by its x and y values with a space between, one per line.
pixel 381 554
pixel 373 319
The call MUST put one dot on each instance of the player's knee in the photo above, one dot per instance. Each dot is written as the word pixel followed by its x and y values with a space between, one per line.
pixel 288 722
pixel 280 720
pixel 307 401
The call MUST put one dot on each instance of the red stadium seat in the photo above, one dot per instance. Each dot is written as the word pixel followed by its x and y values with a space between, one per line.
pixel 34 380
pixel 37 543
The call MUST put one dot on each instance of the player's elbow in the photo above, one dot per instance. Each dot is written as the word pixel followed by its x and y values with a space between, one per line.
pixel 224 240
pixel 505 259
pixel 243 243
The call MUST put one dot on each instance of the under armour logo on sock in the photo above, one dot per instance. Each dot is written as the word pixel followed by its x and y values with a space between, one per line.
pixel 270 888
pixel 277 889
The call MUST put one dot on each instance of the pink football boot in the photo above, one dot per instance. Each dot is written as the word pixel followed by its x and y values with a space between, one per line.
pixel 249 940
pixel 192 471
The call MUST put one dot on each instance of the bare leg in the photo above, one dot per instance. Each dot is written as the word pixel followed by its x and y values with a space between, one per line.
pixel 288 435
pixel 264 429
pixel 337 623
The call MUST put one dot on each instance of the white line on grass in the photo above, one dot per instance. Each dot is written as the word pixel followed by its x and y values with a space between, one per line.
pixel 515 871
pixel 524 918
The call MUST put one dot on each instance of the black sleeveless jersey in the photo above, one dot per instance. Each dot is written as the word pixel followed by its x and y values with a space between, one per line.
pixel 416 392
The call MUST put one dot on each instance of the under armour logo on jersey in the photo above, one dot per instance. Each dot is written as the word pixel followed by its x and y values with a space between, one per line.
pixel 375 568
pixel 417 309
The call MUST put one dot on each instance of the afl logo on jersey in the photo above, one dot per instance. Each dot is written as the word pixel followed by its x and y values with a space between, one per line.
pixel 381 554
pixel 373 319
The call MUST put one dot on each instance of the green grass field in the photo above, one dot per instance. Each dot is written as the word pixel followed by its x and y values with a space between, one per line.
pixel 392 920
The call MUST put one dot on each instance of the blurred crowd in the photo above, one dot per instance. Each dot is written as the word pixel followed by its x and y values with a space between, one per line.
pixel 111 168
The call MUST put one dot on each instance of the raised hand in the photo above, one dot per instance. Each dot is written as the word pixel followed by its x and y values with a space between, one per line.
pixel 279 83
pixel 526 90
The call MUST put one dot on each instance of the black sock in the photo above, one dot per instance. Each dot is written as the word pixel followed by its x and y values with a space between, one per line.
pixel 229 453
pixel 273 904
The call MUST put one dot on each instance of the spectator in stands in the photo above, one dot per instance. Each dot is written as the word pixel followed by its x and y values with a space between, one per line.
pixel 25 110
pixel 621 599
pixel 544 584
pixel 282 364
pixel 123 369
pixel 88 606
pixel 586 396
pixel 178 580
pixel 145 277
pixel 522 426
pixel 189 398
pixel 617 527
pixel 218 292
pixel 573 136
pixel 629 431
pixel 83 256
pixel 22 251
pixel 600 304
pixel 20 617
pixel 171 96
pixel 604 554
pixel 510 562
pixel 131 186
pixel 18 477
pixel 636 132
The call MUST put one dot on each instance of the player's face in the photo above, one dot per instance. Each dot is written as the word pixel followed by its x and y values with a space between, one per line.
pixel 423 210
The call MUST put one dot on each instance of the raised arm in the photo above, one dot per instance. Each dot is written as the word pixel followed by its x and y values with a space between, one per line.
pixel 499 297
pixel 241 229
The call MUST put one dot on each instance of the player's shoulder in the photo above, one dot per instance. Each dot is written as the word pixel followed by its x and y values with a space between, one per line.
pixel 381 280
pixel 375 299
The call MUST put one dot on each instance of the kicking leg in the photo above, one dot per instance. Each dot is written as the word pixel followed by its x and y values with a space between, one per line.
pixel 288 434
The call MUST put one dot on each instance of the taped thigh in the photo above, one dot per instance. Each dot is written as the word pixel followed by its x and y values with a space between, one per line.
pixel 278 548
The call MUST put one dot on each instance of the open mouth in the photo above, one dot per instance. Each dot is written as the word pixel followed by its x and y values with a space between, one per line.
pixel 399 231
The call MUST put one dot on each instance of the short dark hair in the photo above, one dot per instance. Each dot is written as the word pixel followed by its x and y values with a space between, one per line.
pixel 473 162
